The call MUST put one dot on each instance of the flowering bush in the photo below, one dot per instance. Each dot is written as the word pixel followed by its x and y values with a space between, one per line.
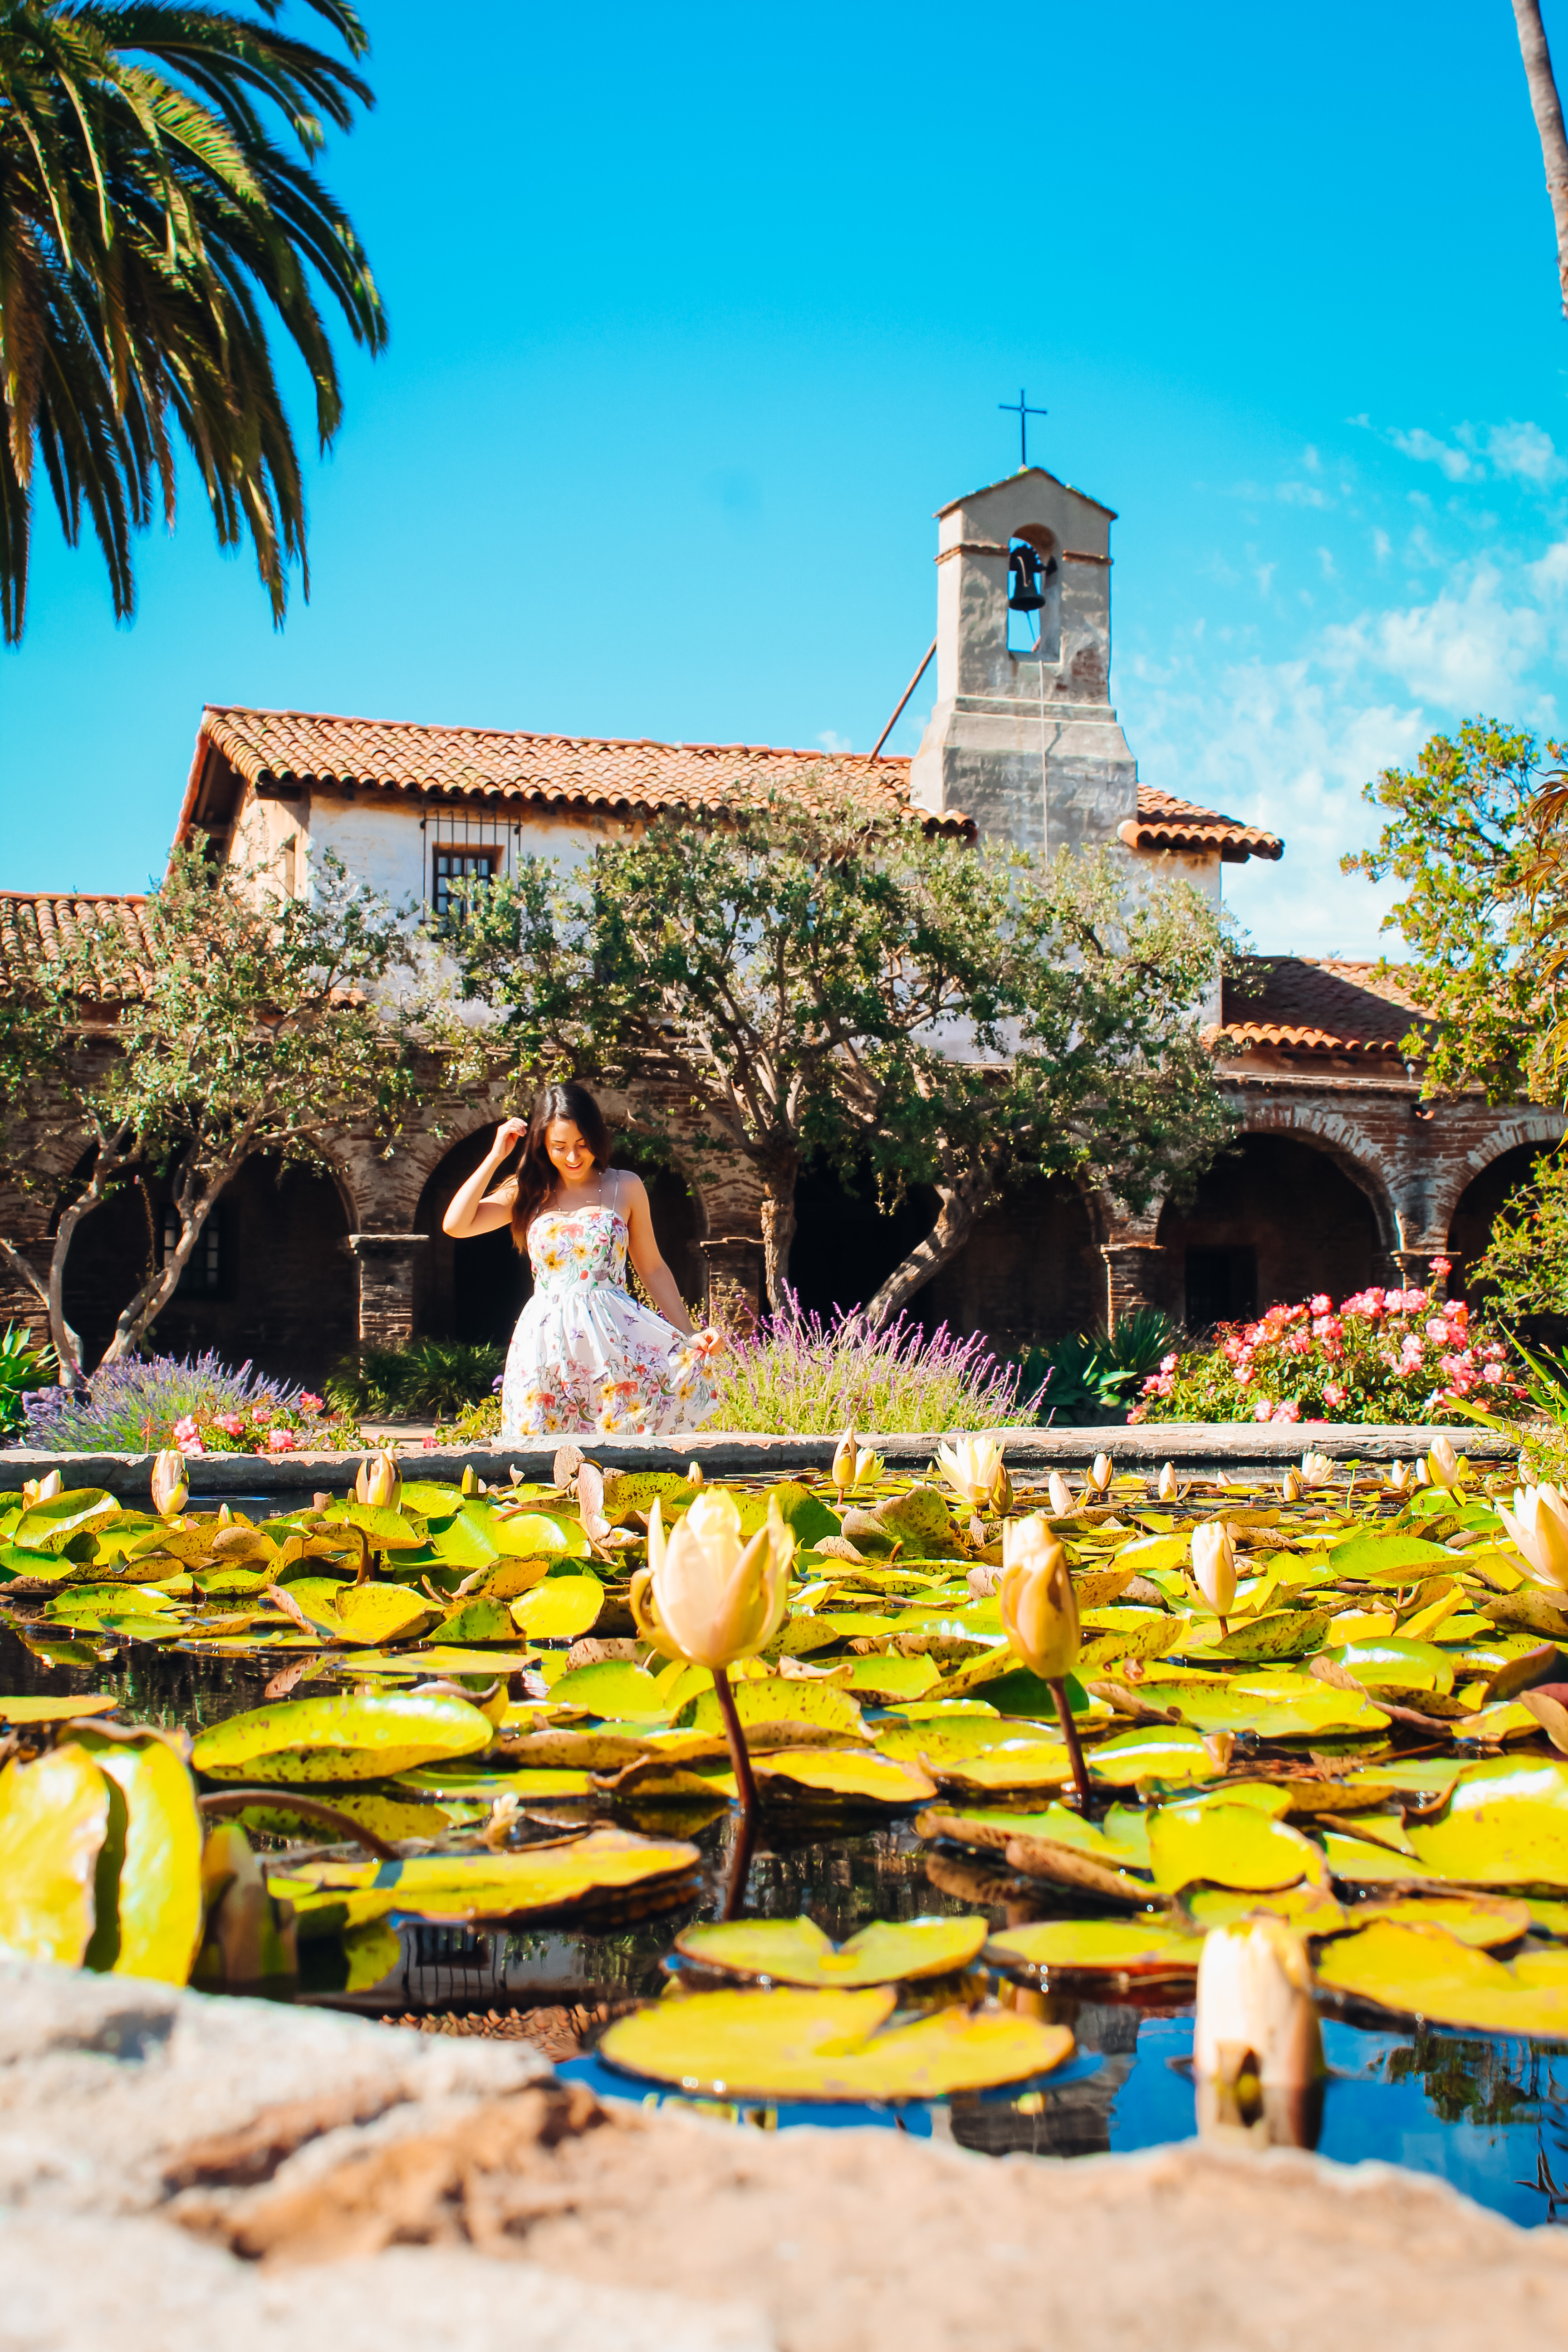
pixel 1379 1356
pixel 795 1374
pixel 195 1403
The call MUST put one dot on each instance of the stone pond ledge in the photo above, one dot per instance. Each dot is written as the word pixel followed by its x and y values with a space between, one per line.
pixel 1242 1449
pixel 178 2172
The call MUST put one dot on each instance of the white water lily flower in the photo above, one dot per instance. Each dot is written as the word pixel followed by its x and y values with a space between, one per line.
pixel 1060 1497
pixel 1291 1489
pixel 1443 1467
pixel 170 1492
pixel 1255 2011
pixel 1214 1565
pixel 1101 1471
pixel 972 1466
pixel 41 1490
pixel 1400 1478
pixel 1169 1487
pixel 854 1464
pixel 378 1483
pixel 1317 1469
pixel 705 1595
pixel 1036 1601
pixel 1538 1524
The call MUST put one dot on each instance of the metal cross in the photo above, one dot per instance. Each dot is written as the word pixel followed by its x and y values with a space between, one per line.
pixel 1021 408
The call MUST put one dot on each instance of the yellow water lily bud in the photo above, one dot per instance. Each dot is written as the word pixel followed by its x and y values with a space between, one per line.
pixel 1038 1603
pixel 694 1476
pixel 41 1490
pixel 1255 2011
pixel 470 1485
pixel 1101 1471
pixel 170 1492
pixel 1214 1565
pixel 705 1595
pixel 224 1516
pixel 971 1467
pixel 1400 1478
pixel 1059 1494
pixel 1538 1524
pixel 1002 1495
pixel 1168 1488
pixel 843 1470
pixel 1423 1473
pixel 379 1486
pixel 1443 1467
pixel 1291 1488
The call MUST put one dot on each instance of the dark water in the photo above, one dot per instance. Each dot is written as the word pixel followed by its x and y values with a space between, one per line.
pixel 1487 2114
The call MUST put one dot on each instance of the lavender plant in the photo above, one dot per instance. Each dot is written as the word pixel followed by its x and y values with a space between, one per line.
pixel 795 1374
pixel 196 1402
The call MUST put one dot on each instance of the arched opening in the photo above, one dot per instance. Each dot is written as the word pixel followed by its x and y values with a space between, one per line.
pixel 475 1290
pixel 1272 1221
pixel 1029 1272
pixel 1479 1205
pixel 272 1276
pixel 1034 596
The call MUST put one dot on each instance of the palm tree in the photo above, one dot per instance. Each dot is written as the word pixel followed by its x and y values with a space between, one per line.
pixel 149 223
pixel 1548 111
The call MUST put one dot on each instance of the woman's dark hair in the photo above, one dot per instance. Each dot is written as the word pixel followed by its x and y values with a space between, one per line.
pixel 535 1179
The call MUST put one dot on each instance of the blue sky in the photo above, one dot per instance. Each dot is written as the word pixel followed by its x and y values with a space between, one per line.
pixel 696 316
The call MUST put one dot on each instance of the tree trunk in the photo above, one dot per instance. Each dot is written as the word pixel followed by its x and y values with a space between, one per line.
pixel 778 1226
pixel 68 1347
pixel 1547 109
pixel 150 1299
pixel 961 1205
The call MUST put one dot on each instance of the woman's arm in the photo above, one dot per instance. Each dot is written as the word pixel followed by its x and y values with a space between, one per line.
pixel 473 1211
pixel 643 1251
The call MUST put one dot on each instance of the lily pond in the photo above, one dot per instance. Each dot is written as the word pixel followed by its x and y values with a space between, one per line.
pixel 410 1757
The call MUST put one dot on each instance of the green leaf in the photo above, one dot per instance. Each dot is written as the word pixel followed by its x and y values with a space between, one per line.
pixel 1506 1825
pixel 1150 1752
pixel 1280 1633
pixel 788 2044
pixel 805 1514
pixel 1226 1844
pixel 560 1609
pixel 384 1612
pixel 1487 1921
pixel 54 1818
pixel 891 1677
pixel 388 1530
pixel 1376 1559
pixel 344 1738
pixel 771 1698
pixel 796 1952
pixel 1390 1663
pixel 475 1620
pixel 1425 1972
pixel 570 1875
pixel 158 1897
pixel 530 1535
pixel 1127 1946
pixel 49 1527
pixel 864 1778
pixel 610 1687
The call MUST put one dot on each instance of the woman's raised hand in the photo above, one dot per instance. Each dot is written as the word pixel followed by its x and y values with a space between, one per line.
pixel 509 1134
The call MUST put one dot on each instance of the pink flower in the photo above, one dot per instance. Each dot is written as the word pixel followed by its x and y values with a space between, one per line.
pixel 1442 1267
pixel 1322 1304
pixel 1262 1410
pixel 260 1413
pixel 194 1448
pixel 1334 1392
pixel 1491 1371
pixel 186 1432
pixel 1437 1331
pixel 1289 1410
pixel 281 1441
pixel 309 1404
pixel 1168 1363
pixel 229 1422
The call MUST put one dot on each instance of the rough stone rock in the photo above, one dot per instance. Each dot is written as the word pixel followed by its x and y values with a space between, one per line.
pixel 176 2171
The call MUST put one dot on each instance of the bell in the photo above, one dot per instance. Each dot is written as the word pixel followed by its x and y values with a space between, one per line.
pixel 1024 581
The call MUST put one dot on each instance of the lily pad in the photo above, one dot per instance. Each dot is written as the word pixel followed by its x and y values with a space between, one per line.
pixel 53 1710
pixel 1506 1825
pixel 1227 1844
pixel 892 1677
pixel 611 1688
pixel 153 1926
pixel 789 2044
pixel 796 1952
pixel 534 1534
pixel 1426 1972
pixel 570 1875
pixel 1151 1752
pixel 1311 1908
pixel 1127 1946
pixel 343 1738
pixel 54 1818
pixel 384 1612
pixel 776 1698
pixel 1485 1920
pixel 866 1777
pixel 560 1609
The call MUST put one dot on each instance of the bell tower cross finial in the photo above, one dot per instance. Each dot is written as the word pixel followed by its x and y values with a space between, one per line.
pixel 1020 408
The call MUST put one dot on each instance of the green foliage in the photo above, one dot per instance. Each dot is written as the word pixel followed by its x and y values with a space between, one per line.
pixel 22 1367
pixel 426 1380
pixel 1092 1375
pixel 243 1021
pixel 1461 837
pixel 800 979
pixel 151 223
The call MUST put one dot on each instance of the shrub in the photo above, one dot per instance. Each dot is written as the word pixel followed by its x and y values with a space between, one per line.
pixel 1379 1356
pixel 1094 1374
pixel 22 1367
pixel 195 1403
pixel 423 1382
pixel 796 1374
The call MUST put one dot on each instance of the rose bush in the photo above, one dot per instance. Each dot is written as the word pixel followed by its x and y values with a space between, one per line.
pixel 1379 1356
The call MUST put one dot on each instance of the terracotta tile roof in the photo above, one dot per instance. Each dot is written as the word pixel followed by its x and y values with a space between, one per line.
pixel 564 772
pixel 1298 1005
pixel 1165 823
pixel 34 923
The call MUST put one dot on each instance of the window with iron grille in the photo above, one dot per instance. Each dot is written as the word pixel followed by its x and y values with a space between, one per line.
pixel 205 1270
pixel 456 874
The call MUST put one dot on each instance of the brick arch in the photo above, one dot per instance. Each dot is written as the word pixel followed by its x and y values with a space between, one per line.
pixel 1342 1138
pixel 1526 1123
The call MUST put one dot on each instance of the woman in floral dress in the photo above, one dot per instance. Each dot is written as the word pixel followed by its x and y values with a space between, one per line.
pixel 585 1357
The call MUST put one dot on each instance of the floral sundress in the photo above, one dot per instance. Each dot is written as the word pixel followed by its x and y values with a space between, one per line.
pixel 585 1357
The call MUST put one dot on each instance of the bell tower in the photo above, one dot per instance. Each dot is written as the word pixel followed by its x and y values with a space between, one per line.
pixel 1023 737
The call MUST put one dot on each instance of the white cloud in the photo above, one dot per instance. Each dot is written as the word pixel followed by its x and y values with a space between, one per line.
pixel 836 743
pixel 1517 452
pixel 1427 450
pixel 1525 452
